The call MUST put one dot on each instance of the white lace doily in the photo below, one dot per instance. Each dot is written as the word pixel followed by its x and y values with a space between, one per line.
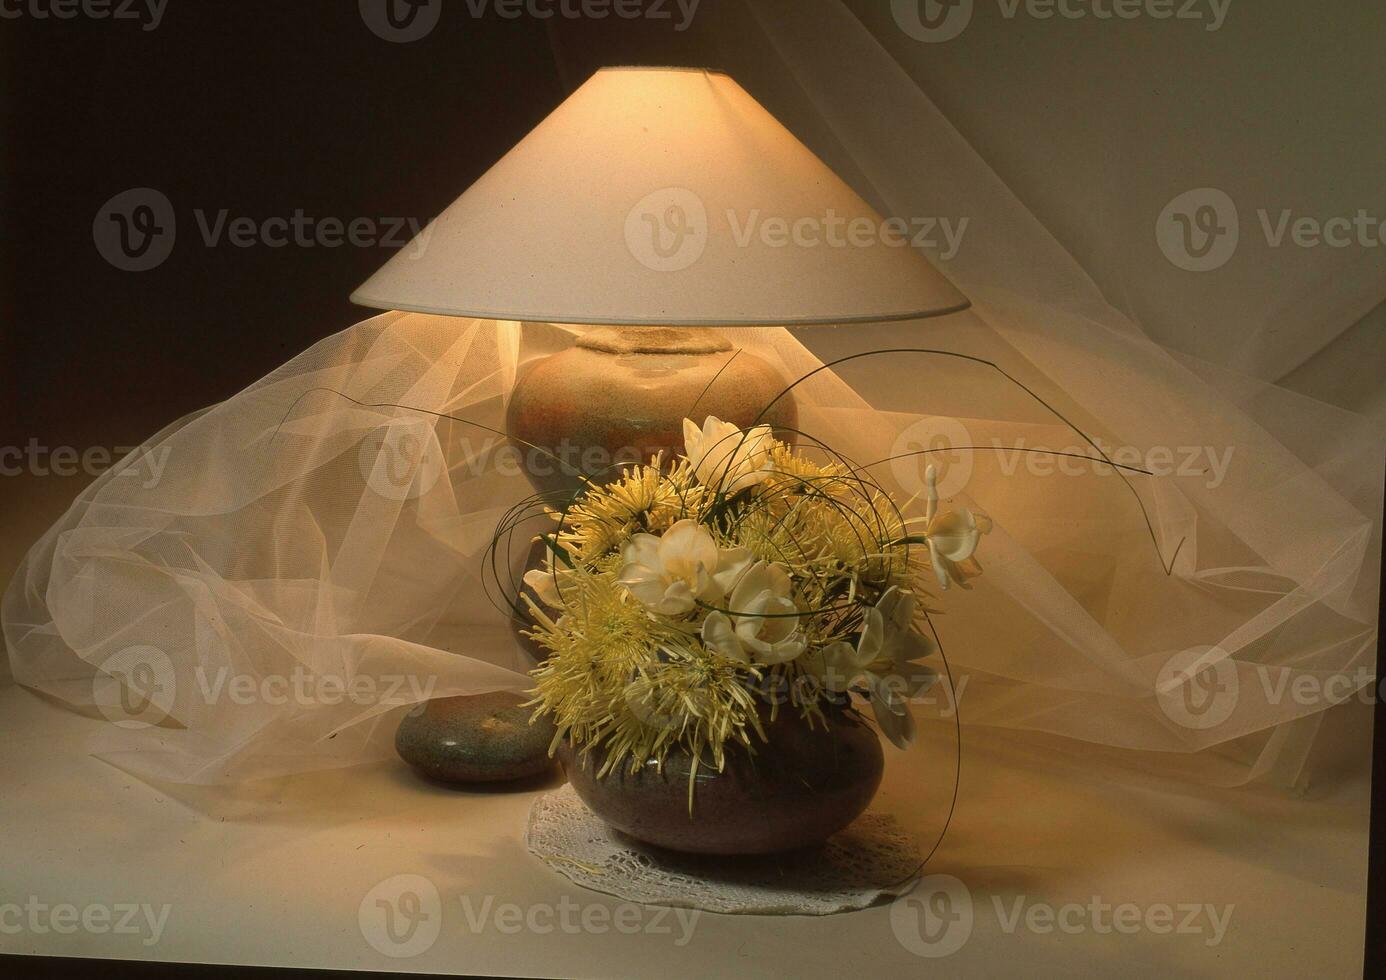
pixel 872 858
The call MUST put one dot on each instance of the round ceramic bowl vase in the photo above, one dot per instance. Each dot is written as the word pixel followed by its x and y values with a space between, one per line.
pixel 797 789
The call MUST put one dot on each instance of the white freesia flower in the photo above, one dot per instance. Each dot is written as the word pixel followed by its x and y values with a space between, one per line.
pixel 724 456
pixel 548 581
pixel 670 573
pixel 885 653
pixel 764 623
pixel 892 710
pixel 541 580
pixel 952 537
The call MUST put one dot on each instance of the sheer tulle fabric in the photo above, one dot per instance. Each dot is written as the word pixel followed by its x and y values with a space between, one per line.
pixel 313 562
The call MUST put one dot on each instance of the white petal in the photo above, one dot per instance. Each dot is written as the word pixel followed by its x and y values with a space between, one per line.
pixel 704 587
pixel 931 485
pixel 731 563
pixel 781 619
pixel 899 728
pixel 873 636
pixel 718 635
pixel 897 607
pixel 753 582
pixel 692 439
pixel 777 653
pixel 545 586
pixel 955 535
pixel 648 590
pixel 690 542
pixel 641 549
pixel 937 560
pixel 780 582
pixel 836 666
pixel 677 599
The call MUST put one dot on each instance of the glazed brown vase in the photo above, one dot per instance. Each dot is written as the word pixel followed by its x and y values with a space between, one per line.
pixel 620 395
pixel 796 790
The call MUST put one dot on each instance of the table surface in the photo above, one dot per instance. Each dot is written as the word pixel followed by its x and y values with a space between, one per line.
pixel 1056 869
pixel 1063 873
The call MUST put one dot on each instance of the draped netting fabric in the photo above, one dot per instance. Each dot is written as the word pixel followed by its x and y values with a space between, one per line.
pixel 313 560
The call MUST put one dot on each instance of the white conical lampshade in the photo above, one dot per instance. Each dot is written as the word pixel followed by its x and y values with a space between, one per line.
pixel 662 196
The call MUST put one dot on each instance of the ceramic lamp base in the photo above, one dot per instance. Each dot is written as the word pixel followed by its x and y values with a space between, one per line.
pixel 620 395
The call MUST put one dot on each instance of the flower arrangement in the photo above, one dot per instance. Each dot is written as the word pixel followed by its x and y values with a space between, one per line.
pixel 679 598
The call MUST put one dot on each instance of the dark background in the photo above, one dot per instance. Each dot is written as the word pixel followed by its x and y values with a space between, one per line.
pixel 262 108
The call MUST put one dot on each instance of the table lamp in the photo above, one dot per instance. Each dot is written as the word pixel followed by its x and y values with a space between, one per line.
pixel 656 204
